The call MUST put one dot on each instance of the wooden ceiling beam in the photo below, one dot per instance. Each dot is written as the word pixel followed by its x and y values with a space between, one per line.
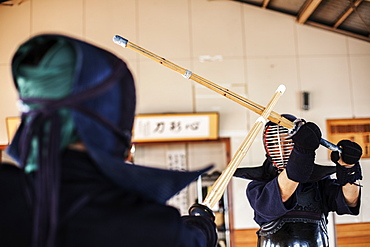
pixel 307 9
pixel 349 11
pixel 347 33
pixel 265 3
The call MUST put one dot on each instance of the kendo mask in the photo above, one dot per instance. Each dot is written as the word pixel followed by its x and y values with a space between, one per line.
pixel 278 143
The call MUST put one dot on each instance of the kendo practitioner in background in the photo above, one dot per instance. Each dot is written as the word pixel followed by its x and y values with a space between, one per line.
pixel 71 186
pixel 291 195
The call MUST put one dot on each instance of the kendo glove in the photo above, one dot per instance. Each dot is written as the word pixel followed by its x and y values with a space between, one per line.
pixel 307 138
pixel 201 210
pixel 202 217
pixel 351 154
pixel 302 159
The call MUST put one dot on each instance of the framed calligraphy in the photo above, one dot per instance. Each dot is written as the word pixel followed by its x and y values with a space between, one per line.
pixel 175 127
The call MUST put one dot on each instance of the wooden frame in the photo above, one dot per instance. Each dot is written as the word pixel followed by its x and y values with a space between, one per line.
pixel 2 147
pixel 12 124
pixel 356 129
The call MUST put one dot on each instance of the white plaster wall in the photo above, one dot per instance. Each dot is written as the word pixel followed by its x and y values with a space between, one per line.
pixel 259 50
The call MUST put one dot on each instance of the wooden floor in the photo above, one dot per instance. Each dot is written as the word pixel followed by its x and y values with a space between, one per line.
pixel 245 238
pixel 353 235
pixel 348 235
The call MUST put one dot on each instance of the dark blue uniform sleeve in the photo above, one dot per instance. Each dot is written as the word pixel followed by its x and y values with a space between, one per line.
pixel 265 199
pixel 197 231
pixel 333 198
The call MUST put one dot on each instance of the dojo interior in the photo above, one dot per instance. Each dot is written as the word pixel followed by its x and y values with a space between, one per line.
pixel 247 47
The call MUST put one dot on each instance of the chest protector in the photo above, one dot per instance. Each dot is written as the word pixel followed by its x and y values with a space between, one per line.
pixel 304 226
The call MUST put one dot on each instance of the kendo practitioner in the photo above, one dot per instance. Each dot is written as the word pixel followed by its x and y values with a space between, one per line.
pixel 70 185
pixel 291 195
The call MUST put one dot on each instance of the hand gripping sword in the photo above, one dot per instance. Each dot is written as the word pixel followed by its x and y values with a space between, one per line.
pixel 218 188
pixel 273 116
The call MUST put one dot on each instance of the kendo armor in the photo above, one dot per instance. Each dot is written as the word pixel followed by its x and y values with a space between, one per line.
pixel 304 226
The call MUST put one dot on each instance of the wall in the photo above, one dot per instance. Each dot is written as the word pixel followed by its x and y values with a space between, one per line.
pixel 251 51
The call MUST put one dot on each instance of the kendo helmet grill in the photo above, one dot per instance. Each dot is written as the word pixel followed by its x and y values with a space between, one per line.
pixel 278 143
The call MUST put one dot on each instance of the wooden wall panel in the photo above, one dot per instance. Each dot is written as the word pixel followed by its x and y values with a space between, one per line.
pixel 354 129
pixel 353 235
pixel 245 237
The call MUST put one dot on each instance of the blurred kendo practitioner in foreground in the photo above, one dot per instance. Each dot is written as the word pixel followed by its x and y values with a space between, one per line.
pixel 291 196
pixel 72 187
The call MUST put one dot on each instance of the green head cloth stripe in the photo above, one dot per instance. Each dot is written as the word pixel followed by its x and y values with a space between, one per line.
pixel 50 77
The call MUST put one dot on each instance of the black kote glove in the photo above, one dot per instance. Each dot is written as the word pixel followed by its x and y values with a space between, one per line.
pixel 302 159
pixel 201 210
pixel 202 217
pixel 351 154
pixel 307 139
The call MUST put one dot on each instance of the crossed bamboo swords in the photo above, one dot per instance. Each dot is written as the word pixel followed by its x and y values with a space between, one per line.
pixel 266 113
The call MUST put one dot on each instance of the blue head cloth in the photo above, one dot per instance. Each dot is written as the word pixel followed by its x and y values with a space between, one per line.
pixel 102 106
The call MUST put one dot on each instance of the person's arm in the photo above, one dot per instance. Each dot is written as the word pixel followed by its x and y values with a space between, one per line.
pixel 286 185
pixel 301 161
pixel 351 192
pixel 272 199
pixel 302 158
pixel 266 201
pixel 348 170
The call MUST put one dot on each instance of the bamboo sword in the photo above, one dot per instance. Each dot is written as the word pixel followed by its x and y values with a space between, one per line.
pixel 273 116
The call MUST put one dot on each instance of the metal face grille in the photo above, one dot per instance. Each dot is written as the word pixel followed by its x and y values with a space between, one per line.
pixel 278 145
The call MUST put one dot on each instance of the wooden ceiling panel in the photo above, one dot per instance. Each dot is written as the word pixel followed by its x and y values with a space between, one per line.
pixel 348 17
